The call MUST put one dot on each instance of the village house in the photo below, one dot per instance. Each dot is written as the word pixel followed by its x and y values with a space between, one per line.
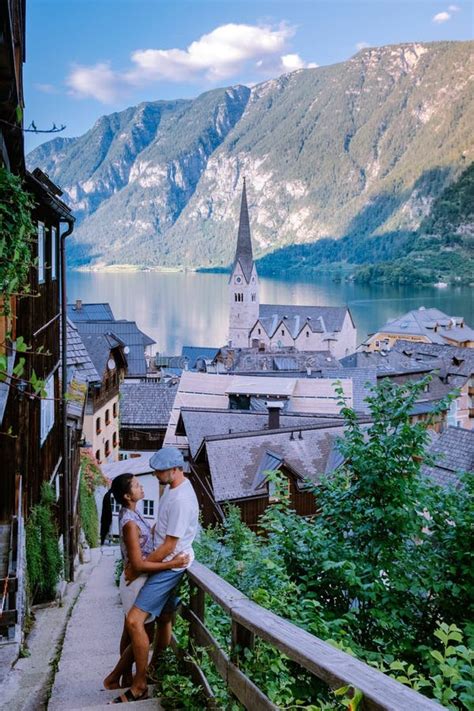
pixel 306 328
pixel 234 469
pixel 145 410
pixel 451 371
pixel 422 326
pixel 33 424
pixel 91 319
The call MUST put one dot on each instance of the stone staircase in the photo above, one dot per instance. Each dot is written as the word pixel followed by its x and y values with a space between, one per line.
pixel 91 643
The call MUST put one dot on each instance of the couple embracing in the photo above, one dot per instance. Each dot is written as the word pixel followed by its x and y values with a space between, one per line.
pixel 155 559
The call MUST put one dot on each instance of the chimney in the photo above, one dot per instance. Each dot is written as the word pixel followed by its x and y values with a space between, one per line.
pixel 274 408
pixel 78 304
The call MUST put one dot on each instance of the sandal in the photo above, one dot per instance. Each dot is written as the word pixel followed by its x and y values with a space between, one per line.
pixel 129 696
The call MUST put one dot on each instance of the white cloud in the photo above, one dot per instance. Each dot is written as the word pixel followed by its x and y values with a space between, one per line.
pixel 362 45
pixel 214 57
pixel 454 8
pixel 292 62
pixel 441 17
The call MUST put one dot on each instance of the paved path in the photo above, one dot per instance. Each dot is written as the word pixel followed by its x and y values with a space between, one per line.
pixel 91 643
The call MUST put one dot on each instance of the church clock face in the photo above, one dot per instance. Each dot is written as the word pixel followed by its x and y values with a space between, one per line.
pixel 238 280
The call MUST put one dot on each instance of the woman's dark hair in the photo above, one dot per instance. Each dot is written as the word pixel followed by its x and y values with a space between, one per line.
pixel 120 486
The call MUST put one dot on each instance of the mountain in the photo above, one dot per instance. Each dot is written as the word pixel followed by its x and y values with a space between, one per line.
pixel 355 151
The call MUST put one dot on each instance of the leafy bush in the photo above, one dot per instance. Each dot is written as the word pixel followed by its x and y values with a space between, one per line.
pixel 91 477
pixel 43 557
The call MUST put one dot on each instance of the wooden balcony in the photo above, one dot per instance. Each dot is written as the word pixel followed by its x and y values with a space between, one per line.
pixel 249 620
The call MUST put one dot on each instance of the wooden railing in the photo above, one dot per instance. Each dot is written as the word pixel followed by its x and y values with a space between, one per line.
pixel 249 620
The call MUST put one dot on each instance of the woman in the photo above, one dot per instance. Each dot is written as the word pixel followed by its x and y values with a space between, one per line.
pixel 136 543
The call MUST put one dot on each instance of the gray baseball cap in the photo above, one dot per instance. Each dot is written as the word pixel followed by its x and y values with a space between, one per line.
pixel 167 458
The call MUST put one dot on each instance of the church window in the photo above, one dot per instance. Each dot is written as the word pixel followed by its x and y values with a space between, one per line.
pixel 259 331
pixel 254 296
pixel 307 334
pixel 282 332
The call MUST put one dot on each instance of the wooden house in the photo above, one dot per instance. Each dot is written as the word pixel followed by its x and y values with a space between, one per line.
pixel 33 428
pixel 234 469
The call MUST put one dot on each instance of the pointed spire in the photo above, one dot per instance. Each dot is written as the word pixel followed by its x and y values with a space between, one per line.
pixel 243 253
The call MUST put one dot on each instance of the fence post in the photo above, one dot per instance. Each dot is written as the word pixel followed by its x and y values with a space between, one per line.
pixel 242 639
pixel 197 605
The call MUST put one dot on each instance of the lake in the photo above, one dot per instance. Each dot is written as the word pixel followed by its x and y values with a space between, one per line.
pixel 187 308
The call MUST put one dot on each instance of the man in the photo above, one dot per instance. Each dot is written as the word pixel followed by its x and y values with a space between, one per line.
pixel 176 528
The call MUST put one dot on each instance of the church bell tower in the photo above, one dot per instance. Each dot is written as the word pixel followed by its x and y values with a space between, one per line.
pixel 243 284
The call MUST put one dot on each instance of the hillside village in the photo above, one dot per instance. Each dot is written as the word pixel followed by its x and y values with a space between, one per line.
pixel 85 395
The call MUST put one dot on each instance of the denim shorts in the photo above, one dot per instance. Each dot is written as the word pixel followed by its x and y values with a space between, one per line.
pixel 154 595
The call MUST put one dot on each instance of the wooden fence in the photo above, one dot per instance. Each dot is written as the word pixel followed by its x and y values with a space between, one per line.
pixel 249 620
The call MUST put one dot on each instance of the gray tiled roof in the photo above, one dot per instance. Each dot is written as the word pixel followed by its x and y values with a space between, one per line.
pixel 457 361
pixel 320 319
pixel 98 346
pixel 388 362
pixel 284 360
pixel 90 312
pixel 363 379
pixel 453 451
pixel 78 356
pixel 243 252
pixel 234 460
pixel 193 354
pixel 432 323
pixel 127 332
pixel 146 404
pixel 199 423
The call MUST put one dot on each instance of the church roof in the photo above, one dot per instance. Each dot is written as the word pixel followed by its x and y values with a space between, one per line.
pixel 243 253
pixel 320 319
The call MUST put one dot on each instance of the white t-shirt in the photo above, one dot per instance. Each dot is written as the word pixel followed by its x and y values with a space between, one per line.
pixel 178 516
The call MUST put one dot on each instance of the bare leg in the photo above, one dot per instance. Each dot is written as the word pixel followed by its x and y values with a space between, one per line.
pixel 163 632
pixel 123 668
pixel 141 647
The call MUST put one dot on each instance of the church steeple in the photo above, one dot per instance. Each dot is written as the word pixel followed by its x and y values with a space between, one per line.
pixel 243 283
pixel 243 253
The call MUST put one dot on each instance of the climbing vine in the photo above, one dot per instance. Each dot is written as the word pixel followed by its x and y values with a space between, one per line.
pixel 17 233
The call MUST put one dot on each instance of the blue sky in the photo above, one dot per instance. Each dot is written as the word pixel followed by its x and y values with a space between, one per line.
pixel 86 58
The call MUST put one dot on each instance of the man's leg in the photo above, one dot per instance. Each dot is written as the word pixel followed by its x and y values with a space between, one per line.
pixel 164 629
pixel 141 647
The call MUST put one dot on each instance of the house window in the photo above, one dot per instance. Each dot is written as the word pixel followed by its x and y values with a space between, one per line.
pixel 114 440
pixel 426 388
pixel 98 428
pixel 97 456
pixel 282 332
pixel 54 252
pixel 41 241
pixel 107 448
pixel 115 505
pixel 47 409
pixel 114 410
pixel 107 417
pixel 148 507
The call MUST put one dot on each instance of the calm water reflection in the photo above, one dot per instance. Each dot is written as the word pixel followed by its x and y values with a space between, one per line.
pixel 179 309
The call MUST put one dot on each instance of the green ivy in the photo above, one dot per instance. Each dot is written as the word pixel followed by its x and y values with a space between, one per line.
pixel 89 515
pixel 43 557
pixel 17 233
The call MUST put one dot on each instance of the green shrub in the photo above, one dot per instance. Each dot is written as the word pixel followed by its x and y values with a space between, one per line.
pixel 43 557
pixel 91 477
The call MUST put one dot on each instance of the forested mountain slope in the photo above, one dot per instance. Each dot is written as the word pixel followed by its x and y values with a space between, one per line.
pixel 355 151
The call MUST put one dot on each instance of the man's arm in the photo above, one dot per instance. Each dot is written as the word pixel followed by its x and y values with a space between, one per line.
pixel 164 550
pixel 136 562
